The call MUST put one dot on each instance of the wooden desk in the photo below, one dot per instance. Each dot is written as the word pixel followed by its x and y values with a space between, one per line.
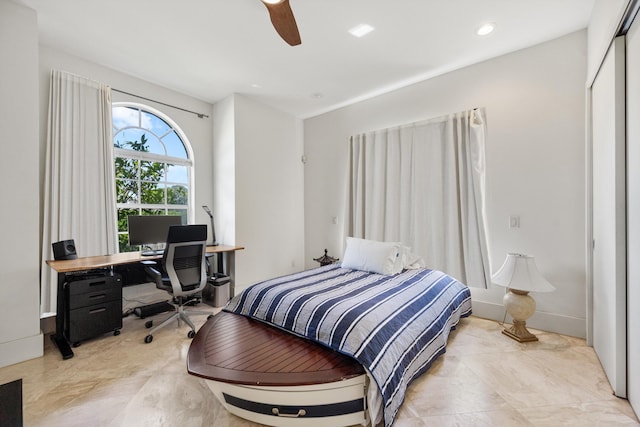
pixel 64 267
pixel 106 261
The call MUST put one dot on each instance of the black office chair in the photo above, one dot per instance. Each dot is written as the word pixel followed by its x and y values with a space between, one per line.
pixel 184 272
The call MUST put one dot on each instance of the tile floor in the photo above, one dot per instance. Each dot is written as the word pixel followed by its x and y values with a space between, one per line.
pixel 484 379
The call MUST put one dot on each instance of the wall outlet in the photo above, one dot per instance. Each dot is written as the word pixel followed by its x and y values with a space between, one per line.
pixel 514 221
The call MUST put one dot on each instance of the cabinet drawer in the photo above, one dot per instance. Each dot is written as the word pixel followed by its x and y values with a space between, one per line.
pixel 93 284
pixel 99 295
pixel 88 322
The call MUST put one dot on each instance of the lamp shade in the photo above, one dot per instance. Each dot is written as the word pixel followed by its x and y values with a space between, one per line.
pixel 520 272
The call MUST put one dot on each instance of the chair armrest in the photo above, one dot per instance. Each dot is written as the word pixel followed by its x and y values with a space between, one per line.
pixel 153 272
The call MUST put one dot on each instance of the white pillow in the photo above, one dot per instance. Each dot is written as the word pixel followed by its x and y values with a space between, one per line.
pixel 411 261
pixel 370 255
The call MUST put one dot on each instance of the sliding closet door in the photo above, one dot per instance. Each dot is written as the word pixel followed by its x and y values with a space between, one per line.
pixel 608 217
pixel 633 214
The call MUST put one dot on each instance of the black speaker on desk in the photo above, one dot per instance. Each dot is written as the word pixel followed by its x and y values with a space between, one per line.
pixel 64 249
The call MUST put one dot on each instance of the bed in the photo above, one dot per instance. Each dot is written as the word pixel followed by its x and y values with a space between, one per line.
pixel 393 325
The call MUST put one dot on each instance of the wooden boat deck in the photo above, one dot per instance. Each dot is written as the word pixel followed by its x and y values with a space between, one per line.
pixel 234 349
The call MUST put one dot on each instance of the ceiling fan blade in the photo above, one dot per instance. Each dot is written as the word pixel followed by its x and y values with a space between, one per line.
pixel 284 22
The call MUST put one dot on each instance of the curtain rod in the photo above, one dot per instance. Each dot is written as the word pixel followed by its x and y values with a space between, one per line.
pixel 200 115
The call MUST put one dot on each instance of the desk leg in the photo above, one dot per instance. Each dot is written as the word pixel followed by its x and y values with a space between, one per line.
pixel 58 337
pixel 231 271
pixel 220 268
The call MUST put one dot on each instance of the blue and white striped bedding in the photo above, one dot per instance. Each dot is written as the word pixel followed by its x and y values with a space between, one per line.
pixel 395 326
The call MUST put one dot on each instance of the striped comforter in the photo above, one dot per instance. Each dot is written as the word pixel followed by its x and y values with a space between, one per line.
pixel 395 326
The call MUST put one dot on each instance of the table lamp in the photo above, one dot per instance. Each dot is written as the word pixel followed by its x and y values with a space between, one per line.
pixel 520 276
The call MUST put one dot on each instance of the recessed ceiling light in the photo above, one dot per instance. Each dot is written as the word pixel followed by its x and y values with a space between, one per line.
pixel 361 30
pixel 317 95
pixel 486 29
pixel 273 1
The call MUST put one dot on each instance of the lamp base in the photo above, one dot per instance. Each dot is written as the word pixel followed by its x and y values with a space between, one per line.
pixel 519 332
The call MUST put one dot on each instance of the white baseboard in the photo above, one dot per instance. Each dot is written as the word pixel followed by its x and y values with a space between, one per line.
pixel 550 322
pixel 17 351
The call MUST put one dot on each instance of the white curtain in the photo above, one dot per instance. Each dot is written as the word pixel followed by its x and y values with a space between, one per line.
pixel 79 188
pixel 423 184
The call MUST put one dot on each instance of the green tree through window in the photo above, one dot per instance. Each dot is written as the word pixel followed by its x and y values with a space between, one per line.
pixel 152 167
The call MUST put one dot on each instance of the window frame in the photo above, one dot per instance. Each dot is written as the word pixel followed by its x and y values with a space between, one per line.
pixel 189 162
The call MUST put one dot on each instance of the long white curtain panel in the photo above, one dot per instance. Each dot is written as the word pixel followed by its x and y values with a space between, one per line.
pixel 79 188
pixel 423 184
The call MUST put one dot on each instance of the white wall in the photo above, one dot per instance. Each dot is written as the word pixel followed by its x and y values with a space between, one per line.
pixel 269 177
pixel 224 161
pixel 20 336
pixel 535 165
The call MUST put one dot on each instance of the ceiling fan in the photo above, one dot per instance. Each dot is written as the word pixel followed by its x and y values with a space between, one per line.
pixel 283 20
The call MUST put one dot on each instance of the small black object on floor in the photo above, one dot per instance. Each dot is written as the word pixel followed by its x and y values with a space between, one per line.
pixel 151 309
pixel 11 404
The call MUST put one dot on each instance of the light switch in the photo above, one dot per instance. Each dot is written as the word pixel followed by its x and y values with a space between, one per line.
pixel 514 221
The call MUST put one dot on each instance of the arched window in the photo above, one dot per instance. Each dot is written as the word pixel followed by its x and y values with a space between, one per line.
pixel 153 166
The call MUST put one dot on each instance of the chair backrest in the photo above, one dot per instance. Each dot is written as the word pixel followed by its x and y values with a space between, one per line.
pixel 184 258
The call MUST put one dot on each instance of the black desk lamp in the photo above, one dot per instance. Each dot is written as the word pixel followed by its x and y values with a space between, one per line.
pixel 213 229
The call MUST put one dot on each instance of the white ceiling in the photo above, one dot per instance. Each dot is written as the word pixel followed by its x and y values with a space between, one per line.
pixel 212 48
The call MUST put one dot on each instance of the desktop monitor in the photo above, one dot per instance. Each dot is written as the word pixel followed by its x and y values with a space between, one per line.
pixel 150 229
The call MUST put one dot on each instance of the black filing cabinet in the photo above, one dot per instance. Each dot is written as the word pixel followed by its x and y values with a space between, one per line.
pixel 93 306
